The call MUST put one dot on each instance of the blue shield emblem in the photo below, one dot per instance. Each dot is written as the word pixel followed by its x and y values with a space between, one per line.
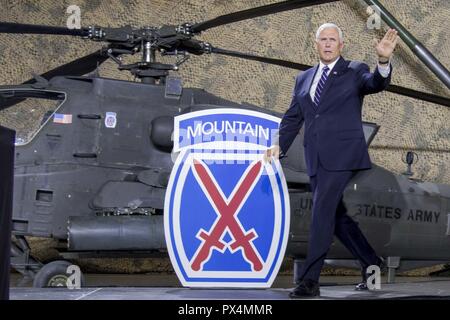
pixel 226 210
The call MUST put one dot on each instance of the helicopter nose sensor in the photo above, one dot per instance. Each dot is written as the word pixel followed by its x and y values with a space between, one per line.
pixel 161 130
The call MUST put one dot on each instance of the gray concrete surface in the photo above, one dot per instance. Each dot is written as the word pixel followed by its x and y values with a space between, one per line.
pixel 167 287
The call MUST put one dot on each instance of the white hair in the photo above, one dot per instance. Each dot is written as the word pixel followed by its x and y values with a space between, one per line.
pixel 330 25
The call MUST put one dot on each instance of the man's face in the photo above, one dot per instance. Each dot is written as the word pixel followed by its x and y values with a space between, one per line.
pixel 328 45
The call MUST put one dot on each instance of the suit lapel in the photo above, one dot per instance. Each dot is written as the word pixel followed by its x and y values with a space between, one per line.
pixel 310 77
pixel 308 82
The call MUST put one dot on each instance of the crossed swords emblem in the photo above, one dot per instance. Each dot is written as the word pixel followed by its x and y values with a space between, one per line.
pixel 227 210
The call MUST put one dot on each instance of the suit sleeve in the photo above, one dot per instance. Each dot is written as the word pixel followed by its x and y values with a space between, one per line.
pixel 372 82
pixel 291 123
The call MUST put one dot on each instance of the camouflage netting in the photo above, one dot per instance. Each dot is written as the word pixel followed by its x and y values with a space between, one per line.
pixel 406 124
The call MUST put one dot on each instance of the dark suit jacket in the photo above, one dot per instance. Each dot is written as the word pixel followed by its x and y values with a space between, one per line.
pixel 334 132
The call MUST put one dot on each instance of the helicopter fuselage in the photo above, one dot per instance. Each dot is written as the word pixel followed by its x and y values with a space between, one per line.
pixel 96 171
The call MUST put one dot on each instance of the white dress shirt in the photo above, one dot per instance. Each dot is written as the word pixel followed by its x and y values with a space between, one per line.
pixel 382 69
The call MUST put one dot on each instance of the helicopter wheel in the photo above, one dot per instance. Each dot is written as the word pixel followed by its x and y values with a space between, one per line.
pixel 54 275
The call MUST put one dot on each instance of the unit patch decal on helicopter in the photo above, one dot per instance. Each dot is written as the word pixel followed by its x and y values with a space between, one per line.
pixel 226 210
pixel 111 119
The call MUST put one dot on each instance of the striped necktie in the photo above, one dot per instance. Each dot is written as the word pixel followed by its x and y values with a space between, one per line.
pixel 321 85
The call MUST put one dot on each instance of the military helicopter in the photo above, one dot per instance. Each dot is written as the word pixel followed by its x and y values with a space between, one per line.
pixel 95 173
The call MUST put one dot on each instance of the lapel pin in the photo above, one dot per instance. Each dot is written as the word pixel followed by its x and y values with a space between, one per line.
pixel 334 72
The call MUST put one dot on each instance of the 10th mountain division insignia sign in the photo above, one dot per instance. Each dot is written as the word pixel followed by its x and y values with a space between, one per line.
pixel 226 210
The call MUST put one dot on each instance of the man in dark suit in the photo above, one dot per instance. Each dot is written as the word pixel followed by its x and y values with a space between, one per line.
pixel 328 99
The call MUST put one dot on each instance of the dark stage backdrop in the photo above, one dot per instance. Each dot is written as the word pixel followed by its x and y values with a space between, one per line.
pixel 7 138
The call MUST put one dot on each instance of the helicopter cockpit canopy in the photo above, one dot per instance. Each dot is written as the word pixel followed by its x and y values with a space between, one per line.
pixel 35 103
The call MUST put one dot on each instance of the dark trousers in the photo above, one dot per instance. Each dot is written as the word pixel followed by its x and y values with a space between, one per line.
pixel 329 217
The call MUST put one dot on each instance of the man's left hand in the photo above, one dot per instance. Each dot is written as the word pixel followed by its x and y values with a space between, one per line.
pixel 386 45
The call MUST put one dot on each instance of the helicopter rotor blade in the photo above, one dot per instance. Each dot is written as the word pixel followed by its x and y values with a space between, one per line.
pixel 420 95
pixel 278 62
pixel 10 27
pixel 255 12
pixel 78 67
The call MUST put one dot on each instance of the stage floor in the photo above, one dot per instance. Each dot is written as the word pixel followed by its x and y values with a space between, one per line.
pixel 167 287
